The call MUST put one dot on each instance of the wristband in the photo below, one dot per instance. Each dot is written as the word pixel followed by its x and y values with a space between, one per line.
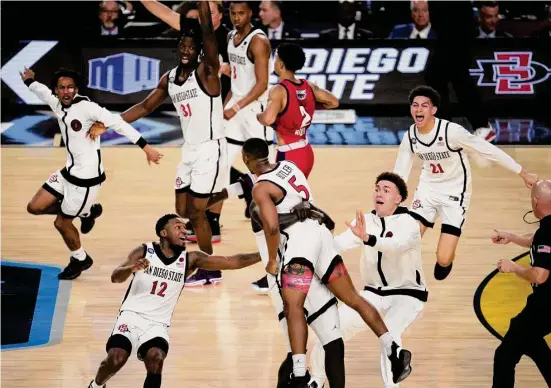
pixel 371 241
pixel 234 190
pixel 28 81
pixel 141 142
pixel 236 108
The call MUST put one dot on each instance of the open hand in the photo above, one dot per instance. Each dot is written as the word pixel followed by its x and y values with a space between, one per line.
pixel 302 210
pixel 27 74
pixel 140 264
pixel 96 130
pixel 359 228
pixel 152 155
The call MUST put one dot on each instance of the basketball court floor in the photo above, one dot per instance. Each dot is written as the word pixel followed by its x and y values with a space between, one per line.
pixel 228 336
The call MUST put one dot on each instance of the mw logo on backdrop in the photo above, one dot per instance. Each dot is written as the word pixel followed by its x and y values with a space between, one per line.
pixel 123 73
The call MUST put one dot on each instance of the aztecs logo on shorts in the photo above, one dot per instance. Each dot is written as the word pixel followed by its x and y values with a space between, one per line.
pixel 179 182
pixel 416 204
pixel 124 328
pixel 76 125
pixel 53 178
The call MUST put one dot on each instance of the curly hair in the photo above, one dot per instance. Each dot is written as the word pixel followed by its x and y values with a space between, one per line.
pixel 397 180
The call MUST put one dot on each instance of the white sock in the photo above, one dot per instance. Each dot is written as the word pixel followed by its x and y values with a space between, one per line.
pixel 386 342
pixel 299 365
pixel 79 254
pixel 94 385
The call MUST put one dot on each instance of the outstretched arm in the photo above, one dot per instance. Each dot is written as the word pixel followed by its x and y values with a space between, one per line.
pixel 324 97
pixel 276 102
pixel 163 12
pixel 210 63
pixel 270 221
pixel 504 237
pixel 42 91
pixel 134 262
pixel 198 259
pixel 151 102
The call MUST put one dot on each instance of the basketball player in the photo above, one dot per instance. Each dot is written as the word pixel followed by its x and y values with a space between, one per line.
pixel 307 249
pixel 71 192
pixel 194 88
pixel 391 269
pixel 444 188
pixel 158 274
pixel 290 108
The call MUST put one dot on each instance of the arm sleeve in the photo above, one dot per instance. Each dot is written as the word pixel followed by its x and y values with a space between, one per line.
pixel 111 120
pixel 460 137
pixel 408 236
pixel 542 251
pixel 404 160
pixel 43 92
pixel 347 240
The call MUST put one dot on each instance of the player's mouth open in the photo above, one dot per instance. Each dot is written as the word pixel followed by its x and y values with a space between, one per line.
pixel 379 202
pixel 419 118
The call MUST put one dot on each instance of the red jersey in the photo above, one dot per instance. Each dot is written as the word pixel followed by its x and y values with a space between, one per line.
pixel 291 124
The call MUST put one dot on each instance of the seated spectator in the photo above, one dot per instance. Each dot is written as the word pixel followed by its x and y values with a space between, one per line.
pixel 111 20
pixel 488 20
pixel 420 28
pixel 347 28
pixel 275 28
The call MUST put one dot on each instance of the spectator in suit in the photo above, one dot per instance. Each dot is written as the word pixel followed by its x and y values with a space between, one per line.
pixel 110 17
pixel 347 28
pixel 488 19
pixel 420 28
pixel 275 28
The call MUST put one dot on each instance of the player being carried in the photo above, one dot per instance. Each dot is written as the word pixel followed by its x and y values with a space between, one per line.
pixel 303 251
pixel 158 274
pixel 71 192
pixel 444 188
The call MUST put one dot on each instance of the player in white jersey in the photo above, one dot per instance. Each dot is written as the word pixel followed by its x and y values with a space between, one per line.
pixel 391 269
pixel 444 188
pixel 307 252
pixel 195 90
pixel 158 274
pixel 71 192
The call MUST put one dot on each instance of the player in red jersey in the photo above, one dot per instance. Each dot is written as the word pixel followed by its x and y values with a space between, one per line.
pixel 291 106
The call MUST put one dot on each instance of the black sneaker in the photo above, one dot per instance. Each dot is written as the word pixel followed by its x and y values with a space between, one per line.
pixel 261 285
pixel 215 229
pixel 400 360
pixel 441 273
pixel 90 386
pixel 299 382
pixel 75 268
pixel 87 223
pixel 247 185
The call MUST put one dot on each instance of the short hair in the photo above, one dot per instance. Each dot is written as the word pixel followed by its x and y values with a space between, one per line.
pixel 191 28
pixel 161 222
pixel 241 2
pixel 219 5
pixel 63 72
pixel 256 148
pixel 397 180
pixel 490 4
pixel 425 91
pixel 292 56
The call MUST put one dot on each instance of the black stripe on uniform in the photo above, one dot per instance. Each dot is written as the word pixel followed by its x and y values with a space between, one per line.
pixel 67 140
pixel 262 110
pixel 217 162
pixel 380 256
pixel 460 153
pixel 210 119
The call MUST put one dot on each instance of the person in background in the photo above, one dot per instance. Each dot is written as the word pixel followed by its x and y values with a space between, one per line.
pixel 270 15
pixel 420 28
pixel 488 20
pixel 347 28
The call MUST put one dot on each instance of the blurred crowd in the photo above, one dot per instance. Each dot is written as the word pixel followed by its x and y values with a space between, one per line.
pixel 327 20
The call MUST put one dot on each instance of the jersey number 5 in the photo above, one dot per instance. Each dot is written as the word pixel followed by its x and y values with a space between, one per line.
pixel 436 168
pixel 186 110
pixel 299 188
pixel 306 120
pixel 162 288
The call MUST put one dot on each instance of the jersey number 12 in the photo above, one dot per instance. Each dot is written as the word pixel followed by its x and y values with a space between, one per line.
pixel 162 288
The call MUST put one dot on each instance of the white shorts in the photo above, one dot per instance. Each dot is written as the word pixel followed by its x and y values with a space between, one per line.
pixel 75 200
pixel 203 169
pixel 244 125
pixel 310 241
pixel 142 333
pixel 321 305
pixel 427 204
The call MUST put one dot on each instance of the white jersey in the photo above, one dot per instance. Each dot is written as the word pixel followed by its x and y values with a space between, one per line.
pixel 154 292
pixel 201 115
pixel 243 76
pixel 84 167
pixel 287 176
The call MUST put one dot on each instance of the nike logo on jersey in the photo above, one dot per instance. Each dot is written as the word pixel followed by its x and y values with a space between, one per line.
pixel 186 95
pixel 238 59
pixel 164 273
pixel 434 155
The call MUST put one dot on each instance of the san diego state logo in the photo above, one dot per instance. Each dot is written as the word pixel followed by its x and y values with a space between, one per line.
pixel 76 125
pixel 512 72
